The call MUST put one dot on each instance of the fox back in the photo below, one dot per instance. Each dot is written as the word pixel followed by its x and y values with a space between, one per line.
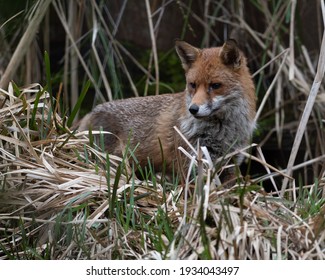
pixel 217 108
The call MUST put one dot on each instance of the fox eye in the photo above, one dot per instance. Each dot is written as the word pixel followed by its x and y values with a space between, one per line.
pixel 193 85
pixel 215 85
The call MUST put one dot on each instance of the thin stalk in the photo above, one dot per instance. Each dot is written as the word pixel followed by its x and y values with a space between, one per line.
pixel 154 46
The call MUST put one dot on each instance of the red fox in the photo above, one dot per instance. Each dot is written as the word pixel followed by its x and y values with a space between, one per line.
pixel 217 108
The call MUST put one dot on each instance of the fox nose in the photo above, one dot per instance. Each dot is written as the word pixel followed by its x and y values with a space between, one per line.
pixel 194 109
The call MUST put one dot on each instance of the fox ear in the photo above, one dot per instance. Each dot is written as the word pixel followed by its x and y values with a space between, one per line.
pixel 230 54
pixel 187 53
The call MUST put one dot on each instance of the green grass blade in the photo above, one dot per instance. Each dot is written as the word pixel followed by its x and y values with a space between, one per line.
pixel 78 104
pixel 115 186
pixel 33 118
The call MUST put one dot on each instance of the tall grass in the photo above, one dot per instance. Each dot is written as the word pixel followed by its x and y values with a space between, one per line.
pixel 63 197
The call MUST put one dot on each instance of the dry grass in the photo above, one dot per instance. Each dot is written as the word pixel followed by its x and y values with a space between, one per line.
pixel 57 201
pixel 62 198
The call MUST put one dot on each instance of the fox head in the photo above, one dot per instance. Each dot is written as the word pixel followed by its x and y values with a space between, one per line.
pixel 216 79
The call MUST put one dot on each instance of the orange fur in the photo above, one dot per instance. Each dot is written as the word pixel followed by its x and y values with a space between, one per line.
pixel 217 109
